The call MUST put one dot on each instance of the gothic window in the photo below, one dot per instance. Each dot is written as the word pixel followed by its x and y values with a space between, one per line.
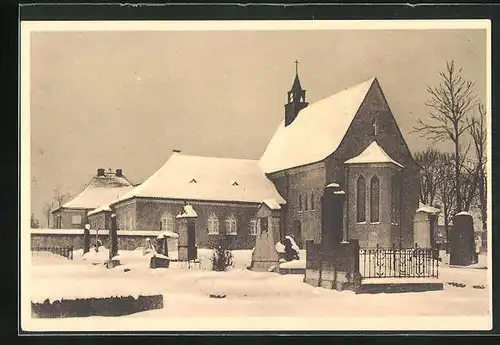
pixel 231 225
pixel 374 126
pixel 395 200
pixel 374 199
pixel 312 201
pixel 306 202
pixel 300 202
pixel 213 225
pixel 361 199
pixel 253 226
pixel 167 222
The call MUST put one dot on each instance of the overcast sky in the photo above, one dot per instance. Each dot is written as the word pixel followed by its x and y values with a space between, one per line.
pixel 126 99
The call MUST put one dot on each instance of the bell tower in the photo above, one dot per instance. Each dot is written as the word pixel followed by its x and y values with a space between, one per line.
pixel 296 99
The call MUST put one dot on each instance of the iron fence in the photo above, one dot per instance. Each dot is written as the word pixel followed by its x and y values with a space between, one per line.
pixel 66 252
pixel 399 262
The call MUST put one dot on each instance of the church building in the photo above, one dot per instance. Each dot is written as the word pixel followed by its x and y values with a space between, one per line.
pixel 350 138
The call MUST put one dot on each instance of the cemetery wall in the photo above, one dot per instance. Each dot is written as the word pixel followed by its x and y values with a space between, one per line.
pixel 73 237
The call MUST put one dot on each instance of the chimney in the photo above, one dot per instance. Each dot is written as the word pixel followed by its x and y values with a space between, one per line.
pixel 176 151
pixel 100 172
pixel 119 172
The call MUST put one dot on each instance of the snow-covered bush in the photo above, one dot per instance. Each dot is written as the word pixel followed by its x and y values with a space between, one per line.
pixel 222 257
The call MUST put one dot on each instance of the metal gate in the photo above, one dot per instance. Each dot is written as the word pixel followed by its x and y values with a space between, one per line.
pixel 398 262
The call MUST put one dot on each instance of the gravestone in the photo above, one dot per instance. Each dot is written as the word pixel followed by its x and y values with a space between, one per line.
pixel 186 219
pixel 264 255
pixel 424 226
pixel 462 244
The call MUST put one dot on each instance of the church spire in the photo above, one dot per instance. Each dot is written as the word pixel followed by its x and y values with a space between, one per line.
pixel 296 98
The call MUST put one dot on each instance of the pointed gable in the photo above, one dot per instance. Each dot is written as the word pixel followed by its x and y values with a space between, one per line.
pixel 316 132
pixel 373 154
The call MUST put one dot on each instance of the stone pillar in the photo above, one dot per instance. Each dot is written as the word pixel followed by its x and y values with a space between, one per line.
pixel 113 242
pixel 186 219
pixel 332 215
pixel 86 238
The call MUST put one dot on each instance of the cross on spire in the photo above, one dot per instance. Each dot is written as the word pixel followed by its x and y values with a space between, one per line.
pixel 297 67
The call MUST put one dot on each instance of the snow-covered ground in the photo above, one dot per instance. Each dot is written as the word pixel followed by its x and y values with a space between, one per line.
pixel 248 294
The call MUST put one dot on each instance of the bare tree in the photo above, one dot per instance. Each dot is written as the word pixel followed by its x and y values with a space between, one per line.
pixel 429 175
pixel 446 188
pixel 60 198
pixel 477 130
pixel 450 103
pixel 469 179
pixel 47 209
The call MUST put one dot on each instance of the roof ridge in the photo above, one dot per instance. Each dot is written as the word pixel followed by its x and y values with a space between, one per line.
pixel 215 157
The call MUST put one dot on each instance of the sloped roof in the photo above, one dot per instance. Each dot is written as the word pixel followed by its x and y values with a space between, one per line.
pixel 207 178
pixel 373 154
pixel 316 132
pixel 100 191
pixel 272 204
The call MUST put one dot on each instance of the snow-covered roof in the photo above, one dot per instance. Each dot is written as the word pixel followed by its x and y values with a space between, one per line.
pixel 333 185
pixel 316 132
pixel 428 209
pixel 187 212
pixel 168 234
pixel 100 192
pixel 272 204
pixel 463 213
pixel 372 154
pixel 214 181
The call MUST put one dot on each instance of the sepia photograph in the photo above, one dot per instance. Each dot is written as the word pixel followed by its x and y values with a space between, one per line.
pixel 255 175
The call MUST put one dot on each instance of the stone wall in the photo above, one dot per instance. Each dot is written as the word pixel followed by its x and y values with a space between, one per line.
pixel 69 237
pixel 302 183
pixel 66 215
pixel 334 267
pixel 149 213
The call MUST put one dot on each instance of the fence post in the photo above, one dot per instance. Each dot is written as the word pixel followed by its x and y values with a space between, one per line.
pixel 394 257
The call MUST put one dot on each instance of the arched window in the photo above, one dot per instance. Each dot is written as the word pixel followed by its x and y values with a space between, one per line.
pixel 395 200
pixel 300 202
pixel 167 222
pixel 361 199
pixel 374 199
pixel 213 224
pixel 231 225
pixel 374 126
pixel 312 201
pixel 306 201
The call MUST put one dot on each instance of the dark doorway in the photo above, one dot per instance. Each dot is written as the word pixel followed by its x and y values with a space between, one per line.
pixel 297 232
